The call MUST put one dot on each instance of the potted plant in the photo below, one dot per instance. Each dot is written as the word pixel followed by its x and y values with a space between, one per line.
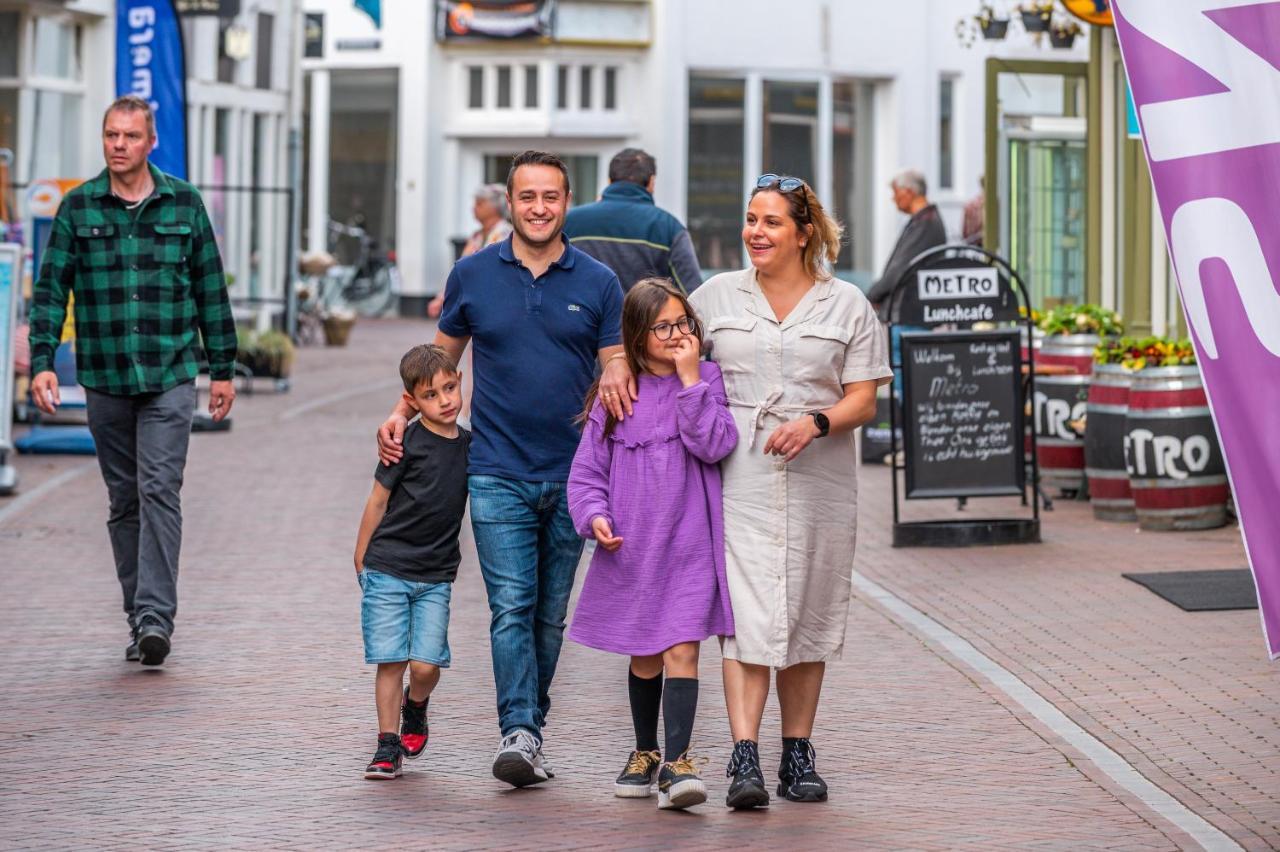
pixel 992 28
pixel 269 354
pixel 1036 15
pixel 1063 34
pixel 1134 353
pixel 337 326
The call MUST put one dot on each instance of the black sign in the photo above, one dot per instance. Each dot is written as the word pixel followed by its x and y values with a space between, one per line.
pixel 207 8
pixel 483 20
pixel 313 34
pixel 962 397
pixel 959 286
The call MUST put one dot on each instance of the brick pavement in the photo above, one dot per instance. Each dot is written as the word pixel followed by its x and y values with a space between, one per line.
pixel 255 731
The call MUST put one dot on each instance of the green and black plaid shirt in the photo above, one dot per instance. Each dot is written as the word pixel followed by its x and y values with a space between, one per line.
pixel 148 284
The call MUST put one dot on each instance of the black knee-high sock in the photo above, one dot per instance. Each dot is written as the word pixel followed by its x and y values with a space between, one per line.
pixel 646 698
pixel 679 704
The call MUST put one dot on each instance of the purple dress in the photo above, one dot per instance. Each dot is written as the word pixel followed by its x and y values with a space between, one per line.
pixel 657 480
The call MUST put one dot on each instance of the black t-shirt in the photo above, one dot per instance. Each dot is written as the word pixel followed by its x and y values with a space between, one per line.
pixel 418 537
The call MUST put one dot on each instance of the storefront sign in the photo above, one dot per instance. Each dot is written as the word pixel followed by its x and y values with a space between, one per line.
pixel 1209 104
pixel 313 34
pixel 209 8
pixel 481 20
pixel 952 287
pixel 150 64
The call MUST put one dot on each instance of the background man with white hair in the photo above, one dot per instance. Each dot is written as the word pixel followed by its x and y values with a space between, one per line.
pixel 924 230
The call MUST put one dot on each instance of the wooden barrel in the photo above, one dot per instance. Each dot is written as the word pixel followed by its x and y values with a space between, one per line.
pixel 1072 350
pixel 1176 470
pixel 1108 403
pixel 1059 448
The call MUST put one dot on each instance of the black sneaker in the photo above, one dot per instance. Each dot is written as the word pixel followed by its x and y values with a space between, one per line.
pixel 637 776
pixel 679 785
pixel 153 644
pixel 413 727
pixel 798 775
pixel 131 652
pixel 747 789
pixel 387 760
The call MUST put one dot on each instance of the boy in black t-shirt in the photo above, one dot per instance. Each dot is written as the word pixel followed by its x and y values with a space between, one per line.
pixel 407 557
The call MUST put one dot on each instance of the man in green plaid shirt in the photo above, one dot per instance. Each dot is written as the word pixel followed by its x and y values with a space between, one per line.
pixel 135 248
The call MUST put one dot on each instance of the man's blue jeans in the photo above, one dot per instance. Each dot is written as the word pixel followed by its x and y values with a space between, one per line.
pixel 529 552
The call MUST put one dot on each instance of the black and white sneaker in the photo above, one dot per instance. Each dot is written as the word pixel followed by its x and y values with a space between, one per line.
pixel 519 760
pixel 746 789
pixel 679 785
pixel 387 760
pixel 636 779
pixel 798 775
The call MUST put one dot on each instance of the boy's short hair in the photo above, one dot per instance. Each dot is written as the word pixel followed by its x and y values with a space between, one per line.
pixel 421 363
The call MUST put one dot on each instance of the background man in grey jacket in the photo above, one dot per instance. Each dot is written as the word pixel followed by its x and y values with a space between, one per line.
pixel 924 230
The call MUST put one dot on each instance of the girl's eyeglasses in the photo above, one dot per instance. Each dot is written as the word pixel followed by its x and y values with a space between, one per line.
pixel 664 330
pixel 784 183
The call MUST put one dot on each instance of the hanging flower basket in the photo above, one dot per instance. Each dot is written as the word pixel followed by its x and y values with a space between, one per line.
pixel 1064 35
pixel 1036 17
pixel 994 29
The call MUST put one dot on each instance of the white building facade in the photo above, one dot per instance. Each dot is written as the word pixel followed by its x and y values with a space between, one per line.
pixel 57 75
pixel 842 94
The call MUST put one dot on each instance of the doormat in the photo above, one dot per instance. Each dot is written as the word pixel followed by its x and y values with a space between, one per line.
pixel 1198 591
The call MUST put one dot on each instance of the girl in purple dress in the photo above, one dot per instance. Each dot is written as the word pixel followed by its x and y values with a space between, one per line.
pixel 647 489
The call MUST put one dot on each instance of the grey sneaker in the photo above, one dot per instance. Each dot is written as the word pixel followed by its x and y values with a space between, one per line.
pixel 519 760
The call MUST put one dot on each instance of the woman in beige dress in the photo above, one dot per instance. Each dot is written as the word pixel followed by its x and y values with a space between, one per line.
pixel 802 354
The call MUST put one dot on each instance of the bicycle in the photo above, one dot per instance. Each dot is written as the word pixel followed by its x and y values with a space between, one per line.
pixel 371 282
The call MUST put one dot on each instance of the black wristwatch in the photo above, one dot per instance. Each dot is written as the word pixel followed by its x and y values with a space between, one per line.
pixel 823 424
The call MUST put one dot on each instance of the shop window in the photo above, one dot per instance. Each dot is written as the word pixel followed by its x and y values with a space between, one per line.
pixel 851 177
pixel 611 88
pixel 475 87
pixel 504 87
pixel 585 76
pixel 946 133
pixel 717 126
pixel 531 86
pixel 55 148
pixel 9 22
pixel 562 87
pixel 266 39
pixel 790 129
pixel 57 49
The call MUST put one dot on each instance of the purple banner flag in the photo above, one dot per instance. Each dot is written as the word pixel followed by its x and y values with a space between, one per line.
pixel 1205 76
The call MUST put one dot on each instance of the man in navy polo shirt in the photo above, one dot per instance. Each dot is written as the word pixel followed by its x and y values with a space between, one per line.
pixel 541 314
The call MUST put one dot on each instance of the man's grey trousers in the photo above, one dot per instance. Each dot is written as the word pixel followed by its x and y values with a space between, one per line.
pixel 142 450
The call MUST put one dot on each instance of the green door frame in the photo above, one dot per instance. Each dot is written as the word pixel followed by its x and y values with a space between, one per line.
pixel 1093 158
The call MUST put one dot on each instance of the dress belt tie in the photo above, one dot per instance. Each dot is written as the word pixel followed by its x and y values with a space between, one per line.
pixel 768 406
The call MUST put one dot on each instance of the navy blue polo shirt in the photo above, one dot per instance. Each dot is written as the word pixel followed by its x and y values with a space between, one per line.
pixel 535 343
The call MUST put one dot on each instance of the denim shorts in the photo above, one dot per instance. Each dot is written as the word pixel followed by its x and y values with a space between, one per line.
pixel 403 620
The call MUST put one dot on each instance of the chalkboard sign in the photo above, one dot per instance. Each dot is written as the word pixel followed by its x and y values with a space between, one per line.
pixel 963 401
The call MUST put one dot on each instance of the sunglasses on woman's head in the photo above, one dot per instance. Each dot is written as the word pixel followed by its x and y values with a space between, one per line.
pixel 784 183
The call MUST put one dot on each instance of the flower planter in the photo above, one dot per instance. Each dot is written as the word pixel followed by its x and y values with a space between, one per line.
pixel 337 329
pixel 1070 350
pixel 1059 400
pixel 1107 407
pixel 995 29
pixel 1176 468
pixel 1061 39
pixel 1036 22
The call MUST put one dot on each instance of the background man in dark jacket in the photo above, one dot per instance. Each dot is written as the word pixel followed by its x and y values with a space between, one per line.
pixel 630 234
pixel 924 230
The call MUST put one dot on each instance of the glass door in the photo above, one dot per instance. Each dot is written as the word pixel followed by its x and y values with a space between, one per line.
pixel 1047 218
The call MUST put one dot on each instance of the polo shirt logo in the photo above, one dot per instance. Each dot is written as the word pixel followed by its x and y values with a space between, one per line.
pixel 575 308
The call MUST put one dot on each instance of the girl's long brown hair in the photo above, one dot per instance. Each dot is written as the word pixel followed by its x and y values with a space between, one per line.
pixel 643 302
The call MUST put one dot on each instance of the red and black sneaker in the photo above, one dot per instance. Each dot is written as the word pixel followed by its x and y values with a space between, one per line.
pixel 386 760
pixel 413 726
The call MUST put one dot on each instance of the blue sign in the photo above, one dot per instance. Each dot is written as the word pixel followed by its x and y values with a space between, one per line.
pixel 150 64
pixel 372 8
pixel 1133 131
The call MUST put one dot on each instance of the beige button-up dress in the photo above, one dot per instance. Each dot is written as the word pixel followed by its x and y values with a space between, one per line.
pixel 789 528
